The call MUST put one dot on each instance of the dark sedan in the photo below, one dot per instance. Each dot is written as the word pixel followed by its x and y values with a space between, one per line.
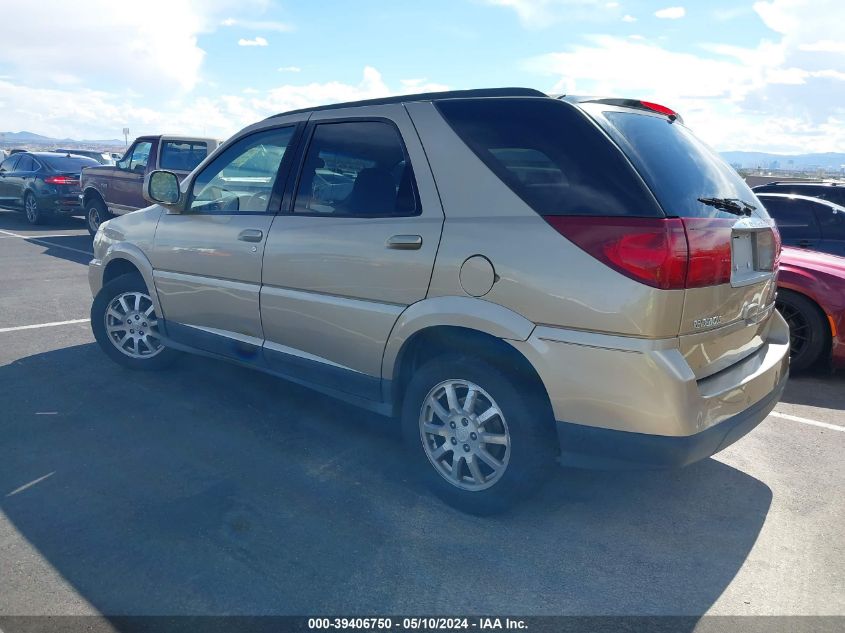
pixel 43 184
pixel 812 223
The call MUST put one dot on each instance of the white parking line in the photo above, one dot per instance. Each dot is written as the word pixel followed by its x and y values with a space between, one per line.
pixel 40 325
pixel 40 236
pixel 795 418
pixel 37 241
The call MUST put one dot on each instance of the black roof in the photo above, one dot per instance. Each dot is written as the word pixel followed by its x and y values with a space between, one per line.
pixel 426 96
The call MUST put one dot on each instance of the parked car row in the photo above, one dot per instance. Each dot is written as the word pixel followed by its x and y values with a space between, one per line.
pixel 73 182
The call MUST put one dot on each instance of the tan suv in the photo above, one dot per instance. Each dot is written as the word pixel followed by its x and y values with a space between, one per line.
pixel 520 279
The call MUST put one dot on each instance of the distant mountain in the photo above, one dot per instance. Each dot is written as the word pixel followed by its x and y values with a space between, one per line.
pixel 30 138
pixel 828 160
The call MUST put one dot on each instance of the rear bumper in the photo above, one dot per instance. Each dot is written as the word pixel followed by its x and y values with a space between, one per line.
pixel 592 447
pixel 61 204
pixel 625 401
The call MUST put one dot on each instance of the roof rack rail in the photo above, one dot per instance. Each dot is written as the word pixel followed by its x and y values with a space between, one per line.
pixel 424 96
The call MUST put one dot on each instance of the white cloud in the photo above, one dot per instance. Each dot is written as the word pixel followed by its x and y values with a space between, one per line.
pixel 88 114
pixel 611 5
pixel 786 93
pixel 259 25
pixel 110 43
pixel 670 13
pixel 538 14
pixel 258 41
pixel 629 18
pixel 289 69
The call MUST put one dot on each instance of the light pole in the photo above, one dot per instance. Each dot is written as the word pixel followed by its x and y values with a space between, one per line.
pixel 125 138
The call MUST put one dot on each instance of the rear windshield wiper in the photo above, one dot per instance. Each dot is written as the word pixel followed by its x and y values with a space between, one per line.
pixel 731 205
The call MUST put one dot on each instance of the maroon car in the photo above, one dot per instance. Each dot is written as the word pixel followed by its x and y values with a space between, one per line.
pixel 811 297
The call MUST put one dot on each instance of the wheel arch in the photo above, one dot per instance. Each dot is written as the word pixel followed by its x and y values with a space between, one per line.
pixel 92 193
pixel 124 258
pixel 818 307
pixel 451 324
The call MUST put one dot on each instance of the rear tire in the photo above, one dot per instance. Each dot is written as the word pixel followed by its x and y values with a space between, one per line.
pixel 34 215
pixel 95 214
pixel 809 334
pixel 125 325
pixel 501 457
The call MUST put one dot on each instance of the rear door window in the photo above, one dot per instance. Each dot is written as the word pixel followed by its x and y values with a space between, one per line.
pixel 677 166
pixel 182 155
pixel 795 218
pixel 356 168
pixel 550 155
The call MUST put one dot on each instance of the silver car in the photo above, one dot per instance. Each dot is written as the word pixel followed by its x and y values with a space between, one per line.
pixel 520 280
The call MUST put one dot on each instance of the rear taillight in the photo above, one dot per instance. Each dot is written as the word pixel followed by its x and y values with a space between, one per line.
pixel 666 253
pixel 61 180
pixel 650 250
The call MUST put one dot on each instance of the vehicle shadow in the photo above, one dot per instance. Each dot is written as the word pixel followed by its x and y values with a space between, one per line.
pixel 819 388
pixel 75 247
pixel 211 489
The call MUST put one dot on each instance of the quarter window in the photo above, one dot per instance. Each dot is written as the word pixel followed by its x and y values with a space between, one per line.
pixel 241 179
pixel 550 155
pixel 356 168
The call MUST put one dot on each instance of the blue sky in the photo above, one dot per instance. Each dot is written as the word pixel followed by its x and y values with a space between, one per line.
pixel 766 75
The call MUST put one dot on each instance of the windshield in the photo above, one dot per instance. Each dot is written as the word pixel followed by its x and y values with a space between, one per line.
pixel 679 168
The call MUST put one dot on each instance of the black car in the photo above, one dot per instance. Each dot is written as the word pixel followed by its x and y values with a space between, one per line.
pixel 832 191
pixel 43 184
pixel 811 223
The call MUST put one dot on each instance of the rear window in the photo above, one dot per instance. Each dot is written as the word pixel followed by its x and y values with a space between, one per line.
pixel 182 155
pixel 677 166
pixel 67 163
pixel 550 155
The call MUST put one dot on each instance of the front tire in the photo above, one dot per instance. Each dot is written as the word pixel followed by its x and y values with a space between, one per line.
pixel 480 439
pixel 809 333
pixel 125 325
pixel 95 214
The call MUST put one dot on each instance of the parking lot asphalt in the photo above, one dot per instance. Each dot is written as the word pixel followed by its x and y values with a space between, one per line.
pixel 210 489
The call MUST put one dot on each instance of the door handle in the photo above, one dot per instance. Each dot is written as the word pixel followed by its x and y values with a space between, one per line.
pixel 405 242
pixel 250 235
pixel 804 243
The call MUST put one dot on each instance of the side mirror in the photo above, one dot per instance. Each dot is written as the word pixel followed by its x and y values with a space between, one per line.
pixel 162 187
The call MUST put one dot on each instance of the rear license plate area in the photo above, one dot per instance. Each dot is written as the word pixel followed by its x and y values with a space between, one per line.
pixel 752 256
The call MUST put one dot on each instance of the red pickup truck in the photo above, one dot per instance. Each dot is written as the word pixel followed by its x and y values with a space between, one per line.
pixel 110 190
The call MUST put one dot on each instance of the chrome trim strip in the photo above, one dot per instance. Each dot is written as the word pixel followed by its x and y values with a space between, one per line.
pixel 292 351
pixel 243 338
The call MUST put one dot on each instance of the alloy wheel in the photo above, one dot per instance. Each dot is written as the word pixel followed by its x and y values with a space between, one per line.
pixel 799 329
pixel 131 325
pixel 31 208
pixel 465 435
pixel 94 219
